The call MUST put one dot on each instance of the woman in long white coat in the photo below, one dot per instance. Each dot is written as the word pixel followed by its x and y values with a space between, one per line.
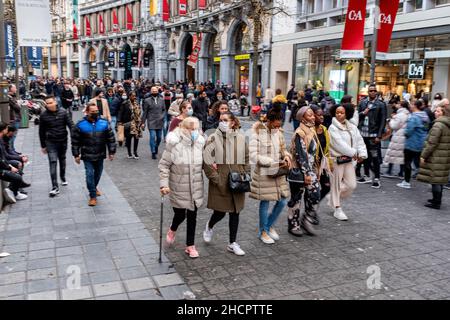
pixel 395 153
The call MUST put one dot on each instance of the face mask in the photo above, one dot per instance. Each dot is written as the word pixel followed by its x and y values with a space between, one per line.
pixel 194 135
pixel 154 95
pixel 124 97
pixel 190 113
pixel 223 126
pixel 201 98
pixel 93 116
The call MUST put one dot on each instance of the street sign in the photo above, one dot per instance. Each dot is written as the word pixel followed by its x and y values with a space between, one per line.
pixel 135 57
pixel 416 70
pixel 122 58
pixel 33 23
pixel 112 59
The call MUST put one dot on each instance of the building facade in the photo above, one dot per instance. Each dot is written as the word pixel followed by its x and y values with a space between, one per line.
pixel 306 49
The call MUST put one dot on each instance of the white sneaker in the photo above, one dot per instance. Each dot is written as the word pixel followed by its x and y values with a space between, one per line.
pixel 208 234
pixel 266 238
pixel 273 234
pixel 404 185
pixel 64 183
pixel 236 249
pixel 9 195
pixel 21 196
pixel 340 215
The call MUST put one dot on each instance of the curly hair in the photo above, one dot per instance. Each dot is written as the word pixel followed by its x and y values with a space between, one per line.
pixel 349 110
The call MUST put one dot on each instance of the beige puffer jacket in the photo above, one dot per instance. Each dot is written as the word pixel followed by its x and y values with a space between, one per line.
pixel 181 169
pixel 266 151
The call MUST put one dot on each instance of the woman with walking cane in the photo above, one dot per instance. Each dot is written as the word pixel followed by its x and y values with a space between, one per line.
pixel 181 178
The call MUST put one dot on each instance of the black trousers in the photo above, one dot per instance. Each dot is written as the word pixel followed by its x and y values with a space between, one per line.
pixel 325 185
pixel 373 159
pixel 437 190
pixel 57 152
pixel 410 157
pixel 15 180
pixel 128 138
pixel 233 223
pixel 178 219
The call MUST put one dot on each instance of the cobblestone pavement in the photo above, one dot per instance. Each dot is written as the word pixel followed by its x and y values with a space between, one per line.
pixel 388 228
pixel 48 239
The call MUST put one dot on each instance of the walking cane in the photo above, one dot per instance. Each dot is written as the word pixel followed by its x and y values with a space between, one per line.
pixel 161 230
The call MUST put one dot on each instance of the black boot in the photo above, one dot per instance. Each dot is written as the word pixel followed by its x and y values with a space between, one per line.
pixel 436 202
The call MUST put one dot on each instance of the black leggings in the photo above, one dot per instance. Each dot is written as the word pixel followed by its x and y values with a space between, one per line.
pixel 233 223
pixel 128 138
pixel 180 216
pixel 325 185
pixel 411 156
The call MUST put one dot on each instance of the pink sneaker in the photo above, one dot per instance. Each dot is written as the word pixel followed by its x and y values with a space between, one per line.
pixel 170 238
pixel 192 252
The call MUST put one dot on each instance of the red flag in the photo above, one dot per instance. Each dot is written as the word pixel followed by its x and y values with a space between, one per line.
pixel 115 21
pixel 75 30
pixel 88 26
pixel 101 25
pixel 166 10
pixel 196 47
pixel 202 4
pixel 129 19
pixel 182 11
pixel 353 41
pixel 388 14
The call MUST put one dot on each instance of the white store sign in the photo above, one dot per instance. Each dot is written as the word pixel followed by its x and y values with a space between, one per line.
pixel 33 23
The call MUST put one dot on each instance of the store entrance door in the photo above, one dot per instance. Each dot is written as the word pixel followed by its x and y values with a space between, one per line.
pixel 242 83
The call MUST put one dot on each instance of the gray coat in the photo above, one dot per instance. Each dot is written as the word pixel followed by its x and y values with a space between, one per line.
pixel 153 113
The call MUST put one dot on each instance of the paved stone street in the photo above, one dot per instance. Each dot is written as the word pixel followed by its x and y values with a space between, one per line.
pixel 49 239
pixel 388 228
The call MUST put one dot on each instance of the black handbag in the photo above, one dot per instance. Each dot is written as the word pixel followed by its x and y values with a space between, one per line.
pixel 296 175
pixel 239 182
pixel 282 171
pixel 343 160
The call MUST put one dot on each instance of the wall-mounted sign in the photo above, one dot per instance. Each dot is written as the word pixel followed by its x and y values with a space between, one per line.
pixel 135 57
pixel 147 57
pixel 416 70
pixel 112 59
pixel 122 59
pixel 217 59
pixel 242 57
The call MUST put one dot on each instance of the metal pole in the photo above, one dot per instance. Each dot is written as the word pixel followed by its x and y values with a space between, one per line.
pixel 58 57
pixel 4 112
pixel 373 59
pixel 49 72
pixel 161 230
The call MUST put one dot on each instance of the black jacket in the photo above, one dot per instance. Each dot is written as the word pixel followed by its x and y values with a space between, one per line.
pixel 65 96
pixel 114 107
pixel 377 116
pixel 125 113
pixel 201 110
pixel 91 139
pixel 53 127
pixel 4 164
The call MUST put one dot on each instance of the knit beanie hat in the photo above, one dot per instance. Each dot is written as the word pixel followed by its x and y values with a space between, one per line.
pixel 302 112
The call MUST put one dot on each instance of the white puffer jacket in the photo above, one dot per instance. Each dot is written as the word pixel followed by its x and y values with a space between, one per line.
pixel 395 152
pixel 345 140
pixel 181 169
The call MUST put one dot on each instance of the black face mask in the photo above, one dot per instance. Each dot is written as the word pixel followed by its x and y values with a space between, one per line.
pixel 94 116
pixel 201 98
pixel 155 95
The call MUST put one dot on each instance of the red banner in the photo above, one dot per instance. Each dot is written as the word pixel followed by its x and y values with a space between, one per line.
pixel 202 4
pixel 129 19
pixel 75 30
pixel 166 10
pixel 101 25
pixel 115 21
pixel 196 47
pixel 388 14
pixel 182 11
pixel 88 26
pixel 353 41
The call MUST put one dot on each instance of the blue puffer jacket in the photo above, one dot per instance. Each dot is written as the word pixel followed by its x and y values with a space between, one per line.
pixel 91 139
pixel 416 131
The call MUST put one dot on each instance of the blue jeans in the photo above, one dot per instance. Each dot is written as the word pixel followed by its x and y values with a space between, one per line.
pixel 155 140
pixel 16 124
pixel 266 221
pixel 113 123
pixel 94 171
pixel 166 124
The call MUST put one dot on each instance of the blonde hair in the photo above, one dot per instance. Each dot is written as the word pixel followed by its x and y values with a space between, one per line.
pixel 190 123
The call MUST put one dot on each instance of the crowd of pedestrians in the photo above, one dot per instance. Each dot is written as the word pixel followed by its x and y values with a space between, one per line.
pixel 335 146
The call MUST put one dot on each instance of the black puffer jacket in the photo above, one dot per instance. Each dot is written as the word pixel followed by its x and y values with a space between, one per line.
pixel 91 139
pixel 53 126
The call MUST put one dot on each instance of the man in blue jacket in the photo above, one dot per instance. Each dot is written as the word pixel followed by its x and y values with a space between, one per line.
pixel 91 138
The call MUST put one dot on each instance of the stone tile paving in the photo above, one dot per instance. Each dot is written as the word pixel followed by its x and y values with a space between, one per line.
pixel 388 228
pixel 50 238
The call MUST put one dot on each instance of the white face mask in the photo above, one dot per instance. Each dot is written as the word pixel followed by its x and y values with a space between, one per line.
pixel 224 126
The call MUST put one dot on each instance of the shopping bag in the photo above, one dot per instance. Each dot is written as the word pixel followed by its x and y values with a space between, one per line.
pixel 120 133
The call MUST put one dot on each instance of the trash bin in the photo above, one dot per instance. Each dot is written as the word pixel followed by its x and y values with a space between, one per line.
pixel 24 120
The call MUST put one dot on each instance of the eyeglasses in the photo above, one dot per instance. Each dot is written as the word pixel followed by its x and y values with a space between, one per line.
pixel 373 91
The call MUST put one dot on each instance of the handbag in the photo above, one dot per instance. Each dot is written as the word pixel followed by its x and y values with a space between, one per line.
pixel 296 175
pixel 121 133
pixel 239 182
pixel 345 159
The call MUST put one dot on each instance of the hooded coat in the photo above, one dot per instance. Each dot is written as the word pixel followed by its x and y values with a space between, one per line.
pixel 180 169
pixel 395 153
pixel 437 154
